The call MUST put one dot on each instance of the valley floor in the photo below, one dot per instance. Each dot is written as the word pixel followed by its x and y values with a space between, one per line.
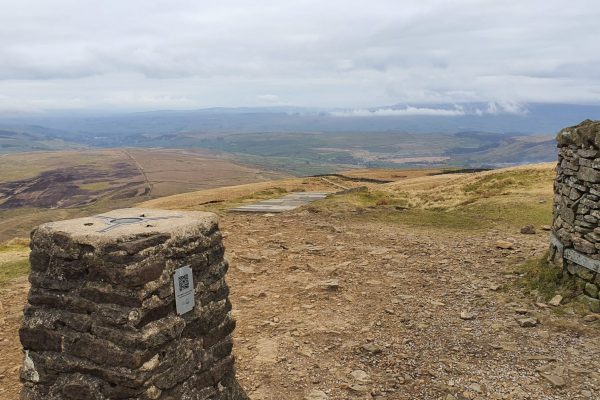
pixel 333 307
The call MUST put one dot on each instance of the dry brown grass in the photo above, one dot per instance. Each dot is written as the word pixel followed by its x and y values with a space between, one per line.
pixel 452 190
pixel 238 193
pixel 390 174
pixel 173 171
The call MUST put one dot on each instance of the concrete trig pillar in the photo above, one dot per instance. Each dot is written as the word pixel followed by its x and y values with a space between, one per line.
pixel 131 304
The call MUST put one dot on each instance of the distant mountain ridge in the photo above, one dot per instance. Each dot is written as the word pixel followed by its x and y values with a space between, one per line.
pixel 538 118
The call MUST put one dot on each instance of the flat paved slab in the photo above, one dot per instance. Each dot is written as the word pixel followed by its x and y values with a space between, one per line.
pixel 286 203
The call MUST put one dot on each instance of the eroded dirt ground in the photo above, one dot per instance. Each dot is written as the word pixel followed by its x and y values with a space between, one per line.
pixel 334 309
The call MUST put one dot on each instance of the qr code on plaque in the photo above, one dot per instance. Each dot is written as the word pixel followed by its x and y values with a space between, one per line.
pixel 184 282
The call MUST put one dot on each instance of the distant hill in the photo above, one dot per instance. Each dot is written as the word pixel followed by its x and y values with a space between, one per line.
pixel 21 141
pixel 533 118
pixel 307 141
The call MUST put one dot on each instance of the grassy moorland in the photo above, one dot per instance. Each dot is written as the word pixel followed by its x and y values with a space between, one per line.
pixel 509 197
pixel 43 186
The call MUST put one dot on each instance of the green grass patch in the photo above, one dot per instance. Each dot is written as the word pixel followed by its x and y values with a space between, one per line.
pixel 366 198
pixel 513 213
pixel 13 269
pixel 497 183
pixel 486 213
pixel 264 194
pixel 541 278
pixel 16 244
pixel 95 186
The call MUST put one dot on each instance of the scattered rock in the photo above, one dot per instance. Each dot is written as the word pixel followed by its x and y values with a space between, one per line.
pixel 245 269
pixel 527 322
pixel 556 300
pixel 505 244
pixel 467 315
pixel 555 380
pixel 251 257
pixel 545 227
pixel 360 376
pixel 333 285
pixel 371 348
pixel 475 387
pixel 359 388
pixel 316 394
pixel 267 351
pixel 591 317
pixel 528 230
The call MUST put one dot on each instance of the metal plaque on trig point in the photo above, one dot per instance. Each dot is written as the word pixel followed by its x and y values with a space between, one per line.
pixel 184 289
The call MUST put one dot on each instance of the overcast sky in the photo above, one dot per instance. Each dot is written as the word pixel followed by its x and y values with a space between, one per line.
pixel 174 54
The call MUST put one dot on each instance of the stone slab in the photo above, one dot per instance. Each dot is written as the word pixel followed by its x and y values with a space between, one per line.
pixel 580 259
pixel 107 227
pixel 575 256
pixel 286 203
pixel 556 243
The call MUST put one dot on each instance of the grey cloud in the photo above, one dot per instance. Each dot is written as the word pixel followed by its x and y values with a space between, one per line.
pixel 128 54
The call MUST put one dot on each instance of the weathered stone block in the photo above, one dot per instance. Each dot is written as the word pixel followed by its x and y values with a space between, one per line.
pixel 591 290
pixel 588 174
pixel 584 273
pixel 584 246
pixel 101 320
pixel 593 304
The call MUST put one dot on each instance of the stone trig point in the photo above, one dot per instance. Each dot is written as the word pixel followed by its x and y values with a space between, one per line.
pixel 131 304
pixel 575 237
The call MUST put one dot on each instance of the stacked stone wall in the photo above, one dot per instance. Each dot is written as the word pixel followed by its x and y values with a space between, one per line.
pixel 575 234
pixel 101 321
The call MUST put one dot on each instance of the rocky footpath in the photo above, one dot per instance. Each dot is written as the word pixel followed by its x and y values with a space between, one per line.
pixel 576 227
pixel 331 306
pixel 101 322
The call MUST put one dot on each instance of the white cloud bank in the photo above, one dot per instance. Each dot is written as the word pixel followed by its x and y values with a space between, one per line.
pixel 492 108
pixel 400 112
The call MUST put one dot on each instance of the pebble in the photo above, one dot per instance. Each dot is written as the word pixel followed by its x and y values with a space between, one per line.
pixel 504 244
pixel 332 284
pixel 359 388
pixel 528 230
pixel 555 380
pixel 371 348
pixel 591 317
pixel 360 376
pixel 467 315
pixel 527 322
pixel 316 394
pixel 476 387
pixel 556 300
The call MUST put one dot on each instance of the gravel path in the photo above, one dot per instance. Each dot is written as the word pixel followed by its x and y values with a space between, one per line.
pixel 333 309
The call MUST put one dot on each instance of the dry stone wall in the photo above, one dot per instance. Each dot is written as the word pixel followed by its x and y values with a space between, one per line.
pixel 101 320
pixel 575 238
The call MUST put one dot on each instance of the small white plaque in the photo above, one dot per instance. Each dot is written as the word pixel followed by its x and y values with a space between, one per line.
pixel 184 289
